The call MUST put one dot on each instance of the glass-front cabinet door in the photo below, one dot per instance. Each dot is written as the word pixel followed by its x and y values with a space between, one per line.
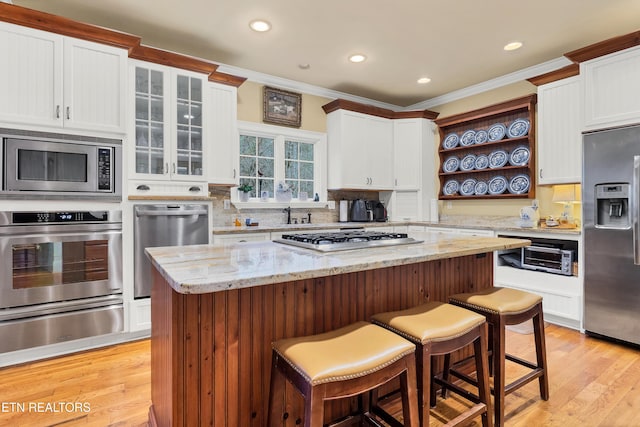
pixel 188 155
pixel 168 124
pixel 151 122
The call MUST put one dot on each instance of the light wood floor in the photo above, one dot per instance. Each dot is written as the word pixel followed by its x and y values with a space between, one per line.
pixel 592 383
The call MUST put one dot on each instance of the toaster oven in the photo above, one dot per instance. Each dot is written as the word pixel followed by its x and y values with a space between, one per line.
pixel 548 258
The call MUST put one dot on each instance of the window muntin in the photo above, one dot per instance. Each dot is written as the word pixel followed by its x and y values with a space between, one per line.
pixel 295 157
pixel 257 163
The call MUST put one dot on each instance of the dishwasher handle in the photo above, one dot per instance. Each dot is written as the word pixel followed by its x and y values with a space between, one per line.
pixel 168 212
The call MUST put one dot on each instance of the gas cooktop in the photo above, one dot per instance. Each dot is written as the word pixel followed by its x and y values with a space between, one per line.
pixel 345 240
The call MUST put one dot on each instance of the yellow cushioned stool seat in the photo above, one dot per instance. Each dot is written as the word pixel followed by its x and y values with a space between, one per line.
pixel 439 328
pixel 502 307
pixel 342 363
pixel 322 358
pixel 498 300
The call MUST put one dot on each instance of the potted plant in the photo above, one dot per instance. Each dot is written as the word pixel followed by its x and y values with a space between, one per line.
pixel 243 192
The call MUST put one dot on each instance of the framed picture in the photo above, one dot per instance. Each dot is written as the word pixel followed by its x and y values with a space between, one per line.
pixel 282 107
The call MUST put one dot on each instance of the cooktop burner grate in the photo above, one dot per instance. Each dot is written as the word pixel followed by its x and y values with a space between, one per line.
pixel 344 240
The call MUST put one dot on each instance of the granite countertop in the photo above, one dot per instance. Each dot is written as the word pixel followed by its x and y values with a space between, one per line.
pixel 495 223
pixel 211 268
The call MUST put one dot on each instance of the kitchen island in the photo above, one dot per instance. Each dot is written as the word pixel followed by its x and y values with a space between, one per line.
pixel 216 309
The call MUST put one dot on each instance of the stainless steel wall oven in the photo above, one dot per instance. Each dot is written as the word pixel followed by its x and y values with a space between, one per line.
pixel 61 276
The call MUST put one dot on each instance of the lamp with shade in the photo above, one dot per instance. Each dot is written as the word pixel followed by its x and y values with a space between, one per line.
pixel 567 194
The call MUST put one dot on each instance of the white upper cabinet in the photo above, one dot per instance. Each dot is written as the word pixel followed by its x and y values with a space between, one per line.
pixel 612 89
pixel 559 145
pixel 56 81
pixel 170 140
pixel 411 137
pixel 222 163
pixel 360 150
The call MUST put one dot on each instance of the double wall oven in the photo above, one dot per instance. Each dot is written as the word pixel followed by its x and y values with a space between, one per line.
pixel 60 276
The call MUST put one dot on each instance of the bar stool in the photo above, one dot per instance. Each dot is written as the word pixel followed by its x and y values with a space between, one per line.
pixel 437 328
pixel 502 307
pixel 342 363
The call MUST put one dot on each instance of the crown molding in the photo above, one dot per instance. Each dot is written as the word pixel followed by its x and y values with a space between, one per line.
pixel 488 85
pixel 553 76
pixel 296 86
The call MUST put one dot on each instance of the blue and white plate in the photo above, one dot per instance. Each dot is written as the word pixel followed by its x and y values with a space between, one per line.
pixel 450 187
pixel 497 185
pixel 468 138
pixel 482 161
pixel 519 127
pixel 450 141
pixel 519 156
pixel 519 184
pixel 468 162
pixel 482 136
pixel 481 188
pixel 468 187
pixel 451 164
pixel 497 132
pixel 498 159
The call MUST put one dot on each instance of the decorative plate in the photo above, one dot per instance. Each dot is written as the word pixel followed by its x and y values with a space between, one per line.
pixel 481 188
pixel 519 127
pixel 468 138
pixel 519 184
pixel 497 185
pixel 450 141
pixel 482 161
pixel 468 162
pixel 498 159
pixel 450 187
pixel 468 187
pixel 451 164
pixel 497 132
pixel 519 156
pixel 482 136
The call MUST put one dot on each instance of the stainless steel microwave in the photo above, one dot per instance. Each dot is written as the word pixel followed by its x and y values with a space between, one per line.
pixel 548 259
pixel 74 167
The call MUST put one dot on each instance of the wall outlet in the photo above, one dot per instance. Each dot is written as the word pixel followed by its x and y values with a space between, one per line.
pixel 448 204
pixel 226 204
pixel 331 204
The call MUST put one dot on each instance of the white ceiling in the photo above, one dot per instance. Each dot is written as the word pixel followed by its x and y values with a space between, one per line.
pixel 457 43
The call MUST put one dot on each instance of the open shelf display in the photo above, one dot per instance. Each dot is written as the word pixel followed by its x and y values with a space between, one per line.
pixel 518 146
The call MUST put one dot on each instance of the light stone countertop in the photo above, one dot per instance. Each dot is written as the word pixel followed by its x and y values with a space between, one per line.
pixel 212 268
pixel 495 223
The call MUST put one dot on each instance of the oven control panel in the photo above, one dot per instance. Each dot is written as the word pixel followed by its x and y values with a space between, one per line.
pixel 58 217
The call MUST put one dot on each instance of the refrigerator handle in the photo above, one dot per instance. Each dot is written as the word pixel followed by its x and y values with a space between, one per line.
pixel 635 196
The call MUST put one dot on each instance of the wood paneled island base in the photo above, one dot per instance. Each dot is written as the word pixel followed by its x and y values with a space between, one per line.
pixel 211 352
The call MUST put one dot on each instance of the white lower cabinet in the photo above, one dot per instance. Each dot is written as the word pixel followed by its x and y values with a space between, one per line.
pixel 230 239
pixel 140 315
pixel 562 296
pixel 455 230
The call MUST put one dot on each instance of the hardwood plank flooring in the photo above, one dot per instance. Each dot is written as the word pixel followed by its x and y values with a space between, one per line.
pixel 592 383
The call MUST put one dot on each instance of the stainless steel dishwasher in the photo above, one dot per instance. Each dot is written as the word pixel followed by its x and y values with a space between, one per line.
pixel 164 225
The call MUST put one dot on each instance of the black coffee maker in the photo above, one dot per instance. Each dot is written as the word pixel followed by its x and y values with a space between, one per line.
pixel 379 211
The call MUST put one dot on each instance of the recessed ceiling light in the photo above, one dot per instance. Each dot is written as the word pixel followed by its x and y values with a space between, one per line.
pixel 260 25
pixel 304 66
pixel 358 57
pixel 424 80
pixel 512 46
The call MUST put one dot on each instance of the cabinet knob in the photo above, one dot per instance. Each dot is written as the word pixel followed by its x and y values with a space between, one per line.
pixel 194 188
pixel 540 173
pixel 143 187
pixel 57 111
pixel 68 113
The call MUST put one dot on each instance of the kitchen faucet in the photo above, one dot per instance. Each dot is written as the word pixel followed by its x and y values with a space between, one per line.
pixel 288 211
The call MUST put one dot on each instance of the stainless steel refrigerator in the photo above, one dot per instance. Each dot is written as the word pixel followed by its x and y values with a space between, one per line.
pixel 610 204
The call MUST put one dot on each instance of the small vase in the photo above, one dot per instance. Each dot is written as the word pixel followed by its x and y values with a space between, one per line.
pixel 283 196
pixel 244 196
